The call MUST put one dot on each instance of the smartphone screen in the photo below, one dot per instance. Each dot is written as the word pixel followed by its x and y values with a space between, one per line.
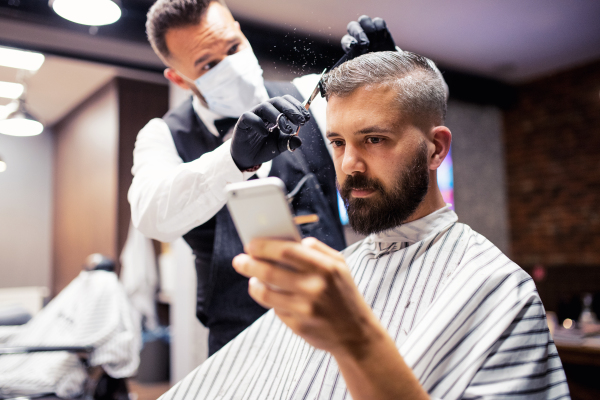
pixel 259 209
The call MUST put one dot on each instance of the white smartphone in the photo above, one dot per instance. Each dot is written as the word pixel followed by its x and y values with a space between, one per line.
pixel 259 209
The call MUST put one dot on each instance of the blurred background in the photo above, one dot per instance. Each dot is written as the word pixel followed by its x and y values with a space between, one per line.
pixel 524 110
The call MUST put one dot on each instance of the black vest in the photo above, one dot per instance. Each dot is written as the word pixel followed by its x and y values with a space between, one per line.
pixel 223 302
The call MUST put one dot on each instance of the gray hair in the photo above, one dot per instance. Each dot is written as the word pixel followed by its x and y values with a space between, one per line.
pixel 170 14
pixel 421 90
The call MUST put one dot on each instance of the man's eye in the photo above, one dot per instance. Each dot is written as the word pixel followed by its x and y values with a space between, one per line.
pixel 337 143
pixel 210 65
pixel 374 140
pixel 233 49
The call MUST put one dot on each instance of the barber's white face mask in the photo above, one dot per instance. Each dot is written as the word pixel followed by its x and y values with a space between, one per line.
pixel 235 85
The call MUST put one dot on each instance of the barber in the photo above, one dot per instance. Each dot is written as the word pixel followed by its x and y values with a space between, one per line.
pixel 183 161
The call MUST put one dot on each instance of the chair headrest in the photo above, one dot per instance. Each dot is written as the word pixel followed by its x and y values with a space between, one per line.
pixel 99 262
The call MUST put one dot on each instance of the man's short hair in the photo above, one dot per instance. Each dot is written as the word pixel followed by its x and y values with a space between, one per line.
pixel 421 90
pixel 171 14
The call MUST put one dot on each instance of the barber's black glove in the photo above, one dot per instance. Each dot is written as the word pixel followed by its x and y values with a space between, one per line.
pixel 253 143
pixel 367 35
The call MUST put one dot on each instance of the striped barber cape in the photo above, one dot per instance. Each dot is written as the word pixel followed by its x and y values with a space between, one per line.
pixel 466 319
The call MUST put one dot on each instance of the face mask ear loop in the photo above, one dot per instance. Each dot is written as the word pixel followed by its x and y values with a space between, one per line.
pixel 193 84
pixel 202 101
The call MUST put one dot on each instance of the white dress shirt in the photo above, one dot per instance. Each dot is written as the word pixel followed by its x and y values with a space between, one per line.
pixel 169 197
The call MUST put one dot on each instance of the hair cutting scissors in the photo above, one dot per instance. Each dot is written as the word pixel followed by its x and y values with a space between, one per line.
pixel 318 89
pixel 306 104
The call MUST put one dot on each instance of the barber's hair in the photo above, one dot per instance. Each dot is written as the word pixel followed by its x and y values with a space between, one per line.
pixel 421 90
pixel 171 14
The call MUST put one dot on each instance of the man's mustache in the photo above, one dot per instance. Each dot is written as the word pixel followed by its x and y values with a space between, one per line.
pixel 360 182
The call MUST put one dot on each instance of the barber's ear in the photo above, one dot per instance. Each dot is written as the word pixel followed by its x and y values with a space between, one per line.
pixel 174 77
pixel 442 138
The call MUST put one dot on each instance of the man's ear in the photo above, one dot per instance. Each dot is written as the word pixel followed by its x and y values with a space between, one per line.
pixel 442 138
pixel 174 77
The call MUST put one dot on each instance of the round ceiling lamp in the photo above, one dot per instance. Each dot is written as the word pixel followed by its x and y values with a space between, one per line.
pixel 88 12
pixel 20 123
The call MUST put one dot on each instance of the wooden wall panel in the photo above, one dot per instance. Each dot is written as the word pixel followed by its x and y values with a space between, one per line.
pixel 85 185
pixel 93 157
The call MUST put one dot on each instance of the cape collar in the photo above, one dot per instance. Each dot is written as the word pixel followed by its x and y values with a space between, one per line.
pixel 419 229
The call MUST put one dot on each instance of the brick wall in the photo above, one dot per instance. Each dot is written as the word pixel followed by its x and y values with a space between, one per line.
pixel 552 140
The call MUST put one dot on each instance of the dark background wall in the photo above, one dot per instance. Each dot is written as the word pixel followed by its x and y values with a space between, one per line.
pixel 552 139
pixel 479 169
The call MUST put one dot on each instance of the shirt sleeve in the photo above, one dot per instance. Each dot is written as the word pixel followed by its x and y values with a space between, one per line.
pixel 523 364
pixel 168 197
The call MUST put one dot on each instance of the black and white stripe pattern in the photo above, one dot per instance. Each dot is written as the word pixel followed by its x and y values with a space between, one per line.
pixel 93 310
pixel 466 319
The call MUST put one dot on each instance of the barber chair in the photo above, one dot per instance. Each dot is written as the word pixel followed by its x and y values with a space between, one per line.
pixel 99 360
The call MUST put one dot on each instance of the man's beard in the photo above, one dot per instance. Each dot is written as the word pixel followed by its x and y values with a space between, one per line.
pixel 391 208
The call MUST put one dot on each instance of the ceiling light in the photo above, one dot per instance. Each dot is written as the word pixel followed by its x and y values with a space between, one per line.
pixel 2 165
pixel 20 123
pixel 87 12
pixel 11 90
pixel 21 59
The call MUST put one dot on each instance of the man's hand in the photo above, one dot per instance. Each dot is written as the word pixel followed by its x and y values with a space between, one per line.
pixel 367 35
pixel 254 143
pixel 311 290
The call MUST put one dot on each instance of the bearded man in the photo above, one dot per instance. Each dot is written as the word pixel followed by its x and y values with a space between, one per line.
pixel 424 307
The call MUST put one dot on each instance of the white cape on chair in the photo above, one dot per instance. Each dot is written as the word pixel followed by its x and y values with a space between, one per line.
pixel 93 310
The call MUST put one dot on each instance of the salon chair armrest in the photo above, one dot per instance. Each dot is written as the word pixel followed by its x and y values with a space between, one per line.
pixel 82 351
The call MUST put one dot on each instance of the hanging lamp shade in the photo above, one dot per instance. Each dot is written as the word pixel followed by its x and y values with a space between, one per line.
pixel 88 12
pixel 20 123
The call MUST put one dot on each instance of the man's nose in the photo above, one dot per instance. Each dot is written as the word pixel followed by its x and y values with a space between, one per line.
pixel 352 161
